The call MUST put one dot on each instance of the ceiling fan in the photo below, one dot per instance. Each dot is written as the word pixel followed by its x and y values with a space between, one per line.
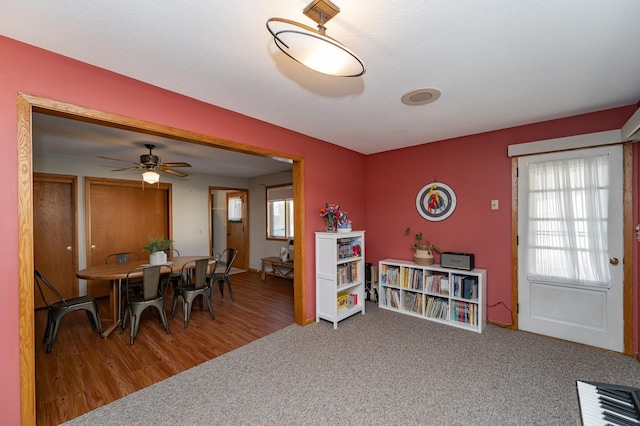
pixel 152 163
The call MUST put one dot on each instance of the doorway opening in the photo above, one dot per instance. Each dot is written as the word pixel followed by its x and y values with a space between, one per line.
pixel 26 106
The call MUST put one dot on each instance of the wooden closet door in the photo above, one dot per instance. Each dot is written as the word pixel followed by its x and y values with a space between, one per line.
pixel 55 234
pixel 120 217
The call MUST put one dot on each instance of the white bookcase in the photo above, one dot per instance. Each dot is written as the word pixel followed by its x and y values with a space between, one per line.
pixel 340 275
pixel 449 296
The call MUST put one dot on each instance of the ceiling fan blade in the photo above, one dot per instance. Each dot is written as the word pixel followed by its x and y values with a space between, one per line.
pixel 172 172
pixel 128 168
pixel 115 159
pixel 181 164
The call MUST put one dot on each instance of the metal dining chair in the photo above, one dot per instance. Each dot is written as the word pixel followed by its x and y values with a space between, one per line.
pixel 223 277
pixel 152 294
pixel 57 310
pixel 124 257
pixel 194 284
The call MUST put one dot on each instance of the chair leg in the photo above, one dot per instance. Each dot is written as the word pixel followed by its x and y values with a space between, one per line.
pixel 123 322
pixel 213 316
pixel 163 317
pixel 52 335
pixel 47 330
pixel 187 310
pixel 135 321
pixel 233 298
pixel 94 319
pixel 175 300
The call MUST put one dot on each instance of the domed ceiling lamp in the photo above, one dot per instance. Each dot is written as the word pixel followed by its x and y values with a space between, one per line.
pixel 312 48
pixel 151 177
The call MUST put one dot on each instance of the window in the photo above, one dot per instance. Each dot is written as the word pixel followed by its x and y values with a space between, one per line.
pixel 568 221
pixel 280 212
pixel 234 209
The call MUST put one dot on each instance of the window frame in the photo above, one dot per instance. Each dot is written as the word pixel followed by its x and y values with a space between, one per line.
pixel 289 206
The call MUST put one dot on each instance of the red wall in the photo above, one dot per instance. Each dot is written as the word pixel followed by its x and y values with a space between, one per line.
pixel 41 73
pixel 380 197
pixel 478 169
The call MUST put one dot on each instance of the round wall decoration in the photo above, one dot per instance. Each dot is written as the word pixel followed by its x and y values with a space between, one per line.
pixel 436 201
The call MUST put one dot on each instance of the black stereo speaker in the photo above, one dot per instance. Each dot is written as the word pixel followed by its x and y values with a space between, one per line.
pixel 456 260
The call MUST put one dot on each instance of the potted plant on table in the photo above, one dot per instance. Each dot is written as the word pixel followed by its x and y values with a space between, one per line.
pixel 157 247
pixel 424 249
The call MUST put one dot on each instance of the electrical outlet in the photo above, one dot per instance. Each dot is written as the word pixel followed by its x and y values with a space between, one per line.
pixel 494 205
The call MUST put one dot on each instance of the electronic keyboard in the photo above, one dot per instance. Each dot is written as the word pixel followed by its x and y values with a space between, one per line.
pixel 605 404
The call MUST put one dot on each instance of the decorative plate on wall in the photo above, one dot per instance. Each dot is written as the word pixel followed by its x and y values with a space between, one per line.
pixel 436 201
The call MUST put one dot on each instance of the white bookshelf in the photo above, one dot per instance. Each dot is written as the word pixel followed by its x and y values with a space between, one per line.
pixel 339 272
pixel 449 296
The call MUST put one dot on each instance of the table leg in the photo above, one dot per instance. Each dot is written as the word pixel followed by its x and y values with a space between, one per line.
pixel 114 302
pixel 264 274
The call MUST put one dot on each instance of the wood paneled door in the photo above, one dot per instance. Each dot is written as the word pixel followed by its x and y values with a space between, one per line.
pixel 55 241
pixel 238 227
pixel 121 215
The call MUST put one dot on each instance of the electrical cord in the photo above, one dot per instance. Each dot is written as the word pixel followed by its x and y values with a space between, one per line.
pixel 510 312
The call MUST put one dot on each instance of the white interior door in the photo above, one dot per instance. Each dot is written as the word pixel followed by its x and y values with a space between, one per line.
pixel 575 311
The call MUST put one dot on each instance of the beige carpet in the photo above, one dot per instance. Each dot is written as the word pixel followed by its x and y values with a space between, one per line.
pixel 382 368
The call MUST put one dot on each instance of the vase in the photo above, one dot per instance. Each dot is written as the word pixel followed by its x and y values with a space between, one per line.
pixel 423 257
pixel 331 227
pixel 158 258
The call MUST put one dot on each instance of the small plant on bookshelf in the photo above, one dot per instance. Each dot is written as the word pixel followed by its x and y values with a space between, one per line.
pixel 423 248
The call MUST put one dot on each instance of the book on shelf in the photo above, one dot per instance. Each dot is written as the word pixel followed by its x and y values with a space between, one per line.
pixel 348 248
pixel 347 273
pixel 437 283
pixel 392 297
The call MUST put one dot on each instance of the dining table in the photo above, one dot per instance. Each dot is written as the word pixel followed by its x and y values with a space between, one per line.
pixel 116 273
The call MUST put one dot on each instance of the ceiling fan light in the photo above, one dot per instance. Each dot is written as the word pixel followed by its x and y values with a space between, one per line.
pixel 150 177
pixel 314 49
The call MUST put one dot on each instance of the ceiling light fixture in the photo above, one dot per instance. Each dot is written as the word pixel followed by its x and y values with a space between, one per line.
pixel 312 48
pixel 150 177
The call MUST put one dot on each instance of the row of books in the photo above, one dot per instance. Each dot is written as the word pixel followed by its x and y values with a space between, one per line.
pixel 413 302
pixel 347 273
pixel 348 248
pixel 391 297
pixel 438 284
pixel 347 300
pixel 389 275
pixel 411 278
pixel 437 307
pixel 464 312
pixel 465 287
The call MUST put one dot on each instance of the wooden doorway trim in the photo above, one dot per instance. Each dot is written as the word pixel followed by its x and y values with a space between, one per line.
pixel 26 105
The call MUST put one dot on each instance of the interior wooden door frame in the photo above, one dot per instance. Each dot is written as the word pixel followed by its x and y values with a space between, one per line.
pixel 26 105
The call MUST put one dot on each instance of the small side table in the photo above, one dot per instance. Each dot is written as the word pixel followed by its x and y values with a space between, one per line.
pixel 279 268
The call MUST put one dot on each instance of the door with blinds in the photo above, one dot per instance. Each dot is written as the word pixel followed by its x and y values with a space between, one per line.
pixel 570 246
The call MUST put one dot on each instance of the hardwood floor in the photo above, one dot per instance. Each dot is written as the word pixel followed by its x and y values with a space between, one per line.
pixel 84 371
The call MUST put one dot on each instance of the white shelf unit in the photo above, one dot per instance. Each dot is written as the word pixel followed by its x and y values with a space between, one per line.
pixel 339 271
pixel 449 296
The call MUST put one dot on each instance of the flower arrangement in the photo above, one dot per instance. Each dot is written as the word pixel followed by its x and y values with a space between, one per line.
pixel 331 212
pixel 420 243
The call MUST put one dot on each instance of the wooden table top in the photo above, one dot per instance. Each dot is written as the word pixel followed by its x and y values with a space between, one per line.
pixel 118 271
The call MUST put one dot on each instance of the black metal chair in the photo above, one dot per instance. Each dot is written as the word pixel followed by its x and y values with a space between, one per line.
pixel 152 295
pixel 122 257
pixel 62 307
pixel 171 253
pixel 221 277
pixel 195 284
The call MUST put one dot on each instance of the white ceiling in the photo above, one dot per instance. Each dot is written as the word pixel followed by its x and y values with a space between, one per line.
pixel 498 63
